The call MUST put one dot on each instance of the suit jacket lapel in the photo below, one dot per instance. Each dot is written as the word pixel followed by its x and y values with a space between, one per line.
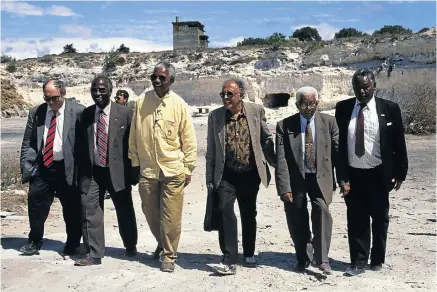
pixel 91 131
pixel 320 138
pixel 220 122
pixel 40 122
pixel 296 142
pixel 112 127
pixel 380 111
pixel 251 121
pixel 68 119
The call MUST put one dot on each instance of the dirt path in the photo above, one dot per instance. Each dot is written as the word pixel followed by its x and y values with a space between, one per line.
pixel 410 258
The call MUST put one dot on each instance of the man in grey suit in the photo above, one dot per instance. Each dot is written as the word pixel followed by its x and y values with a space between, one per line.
pixel 104 165
pixel 47 164
pixel 307 150
pixel 238 146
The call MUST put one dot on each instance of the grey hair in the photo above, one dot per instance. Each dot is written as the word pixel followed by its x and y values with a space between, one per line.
pixel 240 83
pixel 304 91
pixel 57 84
pixel 169 67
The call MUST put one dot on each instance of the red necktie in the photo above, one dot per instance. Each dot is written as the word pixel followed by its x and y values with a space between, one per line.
pixel 102 139
pixel 359 132
pixel 50 140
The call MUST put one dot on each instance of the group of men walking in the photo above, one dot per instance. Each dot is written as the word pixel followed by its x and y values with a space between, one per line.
pixel 82 154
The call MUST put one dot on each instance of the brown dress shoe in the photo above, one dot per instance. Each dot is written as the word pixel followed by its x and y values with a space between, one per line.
pixel 325 268
pixel 88 261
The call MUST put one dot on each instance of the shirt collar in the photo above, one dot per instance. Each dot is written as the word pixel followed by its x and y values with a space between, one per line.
pixel 164 98
pixel 106 110
pixel 371 104
pixel 241 115
pixel 304 120
pixel 60 111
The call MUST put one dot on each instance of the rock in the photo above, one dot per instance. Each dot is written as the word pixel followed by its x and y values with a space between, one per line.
pixel 267 64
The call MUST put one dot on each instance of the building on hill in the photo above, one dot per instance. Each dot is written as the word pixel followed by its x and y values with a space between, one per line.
pixel 189 35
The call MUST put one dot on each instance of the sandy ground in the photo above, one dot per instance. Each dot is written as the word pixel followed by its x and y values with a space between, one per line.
pixel 410 258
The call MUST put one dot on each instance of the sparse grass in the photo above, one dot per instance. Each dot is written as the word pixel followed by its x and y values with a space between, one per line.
pixel 10 171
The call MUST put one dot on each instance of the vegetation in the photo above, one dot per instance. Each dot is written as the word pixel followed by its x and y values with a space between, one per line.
pixel 6 59
pixel 12 66
pixel 349 32
pixel 423 30
pixel 276 40
pixel 123 49
pixel 307 34
pixel 69 49
pixel 110 62
pixel 392 29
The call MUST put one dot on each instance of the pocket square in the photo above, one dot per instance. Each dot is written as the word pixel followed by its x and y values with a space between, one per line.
pixel 382 115
pixel 389 124
pixel 122 127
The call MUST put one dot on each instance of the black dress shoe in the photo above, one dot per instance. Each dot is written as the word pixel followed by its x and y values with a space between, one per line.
pixel 88 261
pixel 131 251
pixel 354 271
pixel 70 251
pixel 301 266
pixel 31 248
pixel 376 268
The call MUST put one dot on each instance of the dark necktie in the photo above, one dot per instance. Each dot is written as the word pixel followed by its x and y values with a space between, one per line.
pixel 310 157
pixel 359 132
pixel 50 140
pixel 102 139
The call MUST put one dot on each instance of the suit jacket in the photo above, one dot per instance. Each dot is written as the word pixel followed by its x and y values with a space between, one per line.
pixel 32 146
pixel 261 138
pixel 290 170
pixel 118 137
pixel 392 138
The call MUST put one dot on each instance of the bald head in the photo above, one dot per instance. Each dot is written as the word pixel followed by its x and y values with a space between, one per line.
pixel 54 93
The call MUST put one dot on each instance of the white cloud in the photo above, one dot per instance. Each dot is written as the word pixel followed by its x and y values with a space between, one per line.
pixel 36 47
pixel 60 11
pixel 23 8
pixel 326 31
pixel 77 30
pixel 230 43
pixel 159 11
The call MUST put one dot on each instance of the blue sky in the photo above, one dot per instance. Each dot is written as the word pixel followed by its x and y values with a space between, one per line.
pixel 35 28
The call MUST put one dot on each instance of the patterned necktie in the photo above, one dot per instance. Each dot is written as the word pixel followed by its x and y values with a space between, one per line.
pixel 102 139
pixel 359 132
pixel 50 140
pixel 310 157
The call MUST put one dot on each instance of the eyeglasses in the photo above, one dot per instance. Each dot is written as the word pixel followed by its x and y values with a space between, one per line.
pixel 304 105
pixel 227 94
pixel 52 98
pixel 161 78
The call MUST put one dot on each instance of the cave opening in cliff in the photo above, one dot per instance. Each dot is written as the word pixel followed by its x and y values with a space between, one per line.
pixel 276 100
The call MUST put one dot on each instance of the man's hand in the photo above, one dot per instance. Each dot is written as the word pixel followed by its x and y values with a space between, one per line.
pixel 287 197
pixel 187 179
pixel 135 174
pixel 398 184
pixel 345 189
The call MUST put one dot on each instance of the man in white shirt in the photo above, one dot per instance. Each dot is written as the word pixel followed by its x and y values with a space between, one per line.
pixel 374 157
pixel 47 163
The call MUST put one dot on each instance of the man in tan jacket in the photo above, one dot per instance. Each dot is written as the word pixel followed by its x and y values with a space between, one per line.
pixel 163 151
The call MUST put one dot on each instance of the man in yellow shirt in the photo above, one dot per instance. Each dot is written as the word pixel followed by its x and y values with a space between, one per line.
pixel 162 148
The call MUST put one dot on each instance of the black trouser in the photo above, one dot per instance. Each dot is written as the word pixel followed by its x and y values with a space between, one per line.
pixel 93 206
pixel 368 198
pixel 243 188
pixel 299 225
pixel 43 187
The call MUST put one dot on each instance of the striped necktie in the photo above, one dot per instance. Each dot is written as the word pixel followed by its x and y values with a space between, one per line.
pixel 310 157
pixel 102 139
pixel 50 140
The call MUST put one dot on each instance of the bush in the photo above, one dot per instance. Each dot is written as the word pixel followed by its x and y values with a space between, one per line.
pixel 423 30
pixel 393 29
pixel 276 40
pixel 69 49
pixel 6 59
pixel 45 59
pixel 307 34
pixel 12 66
pixel 252 42
pixel 110 62
pixel 123 49
pixel 347 33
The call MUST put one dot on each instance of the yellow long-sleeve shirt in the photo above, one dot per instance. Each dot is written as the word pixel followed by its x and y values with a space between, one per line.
pixel 162 136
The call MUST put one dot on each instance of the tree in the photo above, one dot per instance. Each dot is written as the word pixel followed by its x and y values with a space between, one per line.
pixel 423 30
pixel 307 34
pixel 276 40
pixel 252 42
pixel 123 49
pixel 393 29
pixel 347 33
pixel 69 49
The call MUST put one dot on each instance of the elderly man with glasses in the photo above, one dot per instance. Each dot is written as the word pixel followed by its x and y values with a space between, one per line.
pixel 307 151
pixel 239 145
pixel 163 150
pixel 47 163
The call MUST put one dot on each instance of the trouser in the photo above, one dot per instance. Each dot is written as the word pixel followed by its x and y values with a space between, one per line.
pixel 244 188
pixel 162 203
pixel 43 187
pixel 93 213
pixel 299 226
pixel 368 198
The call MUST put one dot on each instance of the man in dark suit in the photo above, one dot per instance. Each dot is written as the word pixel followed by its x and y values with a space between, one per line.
pixel 238 148
pixel 306 152
pixel 47 163
pixel 104 166
pixel 373 151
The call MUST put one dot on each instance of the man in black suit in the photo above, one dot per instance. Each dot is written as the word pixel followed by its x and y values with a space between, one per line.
pixel 47 164
pixel 373 151
pixel 104 165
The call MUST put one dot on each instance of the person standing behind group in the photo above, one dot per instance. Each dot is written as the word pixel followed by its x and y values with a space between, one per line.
pixel 307 150
pixel 373 150
pixel 163 150
pixel 47 162
pixel 239 145
pixel 103 165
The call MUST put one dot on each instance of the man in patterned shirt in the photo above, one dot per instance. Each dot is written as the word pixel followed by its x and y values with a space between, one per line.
pixel 238 145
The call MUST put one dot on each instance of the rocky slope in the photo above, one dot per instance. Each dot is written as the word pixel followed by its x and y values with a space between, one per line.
pixel 399 60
